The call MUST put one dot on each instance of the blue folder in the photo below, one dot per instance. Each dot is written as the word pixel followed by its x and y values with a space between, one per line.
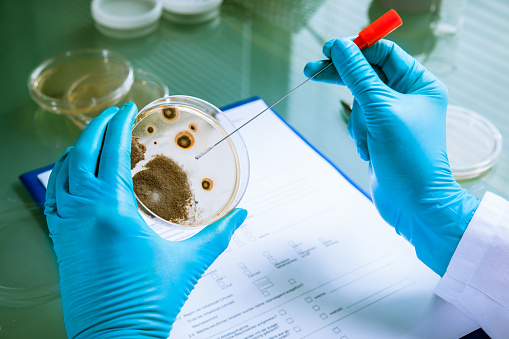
pixel 32 184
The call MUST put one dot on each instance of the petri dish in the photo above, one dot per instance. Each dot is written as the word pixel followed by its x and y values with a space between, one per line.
pixel 27 260
pixel 146 88
pixel 81 83
pixel 474 144
pixel 179 128
pixel 126 19
pixel 191 11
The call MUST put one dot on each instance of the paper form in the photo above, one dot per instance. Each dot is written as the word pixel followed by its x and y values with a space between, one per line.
pixel 313 259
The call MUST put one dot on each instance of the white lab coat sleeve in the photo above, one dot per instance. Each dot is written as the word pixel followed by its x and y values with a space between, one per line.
pixel 477 278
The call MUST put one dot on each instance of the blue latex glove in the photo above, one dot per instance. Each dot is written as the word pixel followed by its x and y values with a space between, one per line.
pixel 398 124
pixel 118 278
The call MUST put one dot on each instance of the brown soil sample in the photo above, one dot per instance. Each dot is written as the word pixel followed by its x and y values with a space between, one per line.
pixel 164 189
pixel 137 152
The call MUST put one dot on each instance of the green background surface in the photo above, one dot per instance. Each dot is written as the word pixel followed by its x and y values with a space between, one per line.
pixel 255 48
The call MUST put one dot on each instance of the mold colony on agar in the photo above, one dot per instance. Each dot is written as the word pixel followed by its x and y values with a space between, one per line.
pixel 207 184
pixel 184 140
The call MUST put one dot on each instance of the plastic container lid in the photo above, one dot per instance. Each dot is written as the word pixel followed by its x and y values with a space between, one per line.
pixel 124 19
pixel 191 11
pixel 473 142
pixel 28 264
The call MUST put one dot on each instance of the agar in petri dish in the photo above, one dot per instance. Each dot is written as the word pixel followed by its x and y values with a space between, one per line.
pixel 171 186
pixel 474 143
pixel 28 264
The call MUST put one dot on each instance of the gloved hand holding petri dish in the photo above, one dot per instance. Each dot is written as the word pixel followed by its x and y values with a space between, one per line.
pixel 171 186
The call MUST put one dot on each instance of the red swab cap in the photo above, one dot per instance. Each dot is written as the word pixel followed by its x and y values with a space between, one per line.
pixel 378 29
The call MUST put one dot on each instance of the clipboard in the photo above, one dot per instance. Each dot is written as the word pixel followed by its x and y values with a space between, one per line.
pixel 37 190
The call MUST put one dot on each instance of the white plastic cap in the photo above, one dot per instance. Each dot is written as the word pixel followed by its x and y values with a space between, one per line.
pixel 191 11
pixel 126 18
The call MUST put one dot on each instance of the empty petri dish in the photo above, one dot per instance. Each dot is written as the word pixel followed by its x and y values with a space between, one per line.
pixel 28 264
pixel 171 186
pixel 191 12
pixel 473 142
pixel 126 19
pixel 81 83
pixel 146 88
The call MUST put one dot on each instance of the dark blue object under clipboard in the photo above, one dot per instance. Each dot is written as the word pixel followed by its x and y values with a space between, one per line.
pixel 38 192
pixel 33 185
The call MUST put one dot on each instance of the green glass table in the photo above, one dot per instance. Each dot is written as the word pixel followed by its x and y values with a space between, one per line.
pixel 255 48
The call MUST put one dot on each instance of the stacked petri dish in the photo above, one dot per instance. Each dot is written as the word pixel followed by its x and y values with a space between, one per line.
pixel 82 83
pixel 173 188
pixel 133 19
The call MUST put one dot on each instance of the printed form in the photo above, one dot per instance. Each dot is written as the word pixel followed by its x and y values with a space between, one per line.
pixel 313 259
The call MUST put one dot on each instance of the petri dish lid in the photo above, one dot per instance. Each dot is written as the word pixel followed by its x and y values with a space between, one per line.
pixel 126 18
pixel 146 88
pixel 185 11
pixel 27 260
pixel 473 142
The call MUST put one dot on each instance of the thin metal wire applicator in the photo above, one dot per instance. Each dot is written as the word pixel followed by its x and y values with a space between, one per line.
pixel 257 115
pixel 366 38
